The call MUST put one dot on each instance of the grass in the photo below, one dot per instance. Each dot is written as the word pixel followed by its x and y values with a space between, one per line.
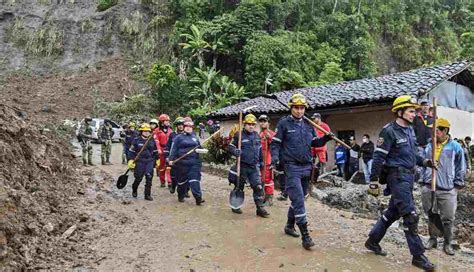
pixel 106 4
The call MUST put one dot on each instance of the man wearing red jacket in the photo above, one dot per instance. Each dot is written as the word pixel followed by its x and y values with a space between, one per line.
pixel 320 152
pixel 266 136
pixel 161 135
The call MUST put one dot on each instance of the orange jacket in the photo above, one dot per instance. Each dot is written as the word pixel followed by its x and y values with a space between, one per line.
pixel 266 137
pixel 161 138
pixel 322 149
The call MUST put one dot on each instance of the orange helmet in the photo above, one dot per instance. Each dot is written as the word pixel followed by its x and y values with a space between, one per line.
pixel 164 117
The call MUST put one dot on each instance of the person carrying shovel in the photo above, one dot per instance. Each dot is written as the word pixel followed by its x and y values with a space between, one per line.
pixel 449 179
pixel 395 158
pixel 145 147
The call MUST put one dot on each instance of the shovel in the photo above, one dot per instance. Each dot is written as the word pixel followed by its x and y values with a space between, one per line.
pixel 434 219
pixel 123 179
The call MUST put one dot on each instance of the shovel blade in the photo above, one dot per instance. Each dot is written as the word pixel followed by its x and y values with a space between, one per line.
pixel 122 181
pixel 436 223
pixel 236 199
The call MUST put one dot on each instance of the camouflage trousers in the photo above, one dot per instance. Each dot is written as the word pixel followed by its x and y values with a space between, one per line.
pixel 105 151
pixel 87 152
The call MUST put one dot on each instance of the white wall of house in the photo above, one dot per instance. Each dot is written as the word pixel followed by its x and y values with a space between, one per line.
pixel 462 122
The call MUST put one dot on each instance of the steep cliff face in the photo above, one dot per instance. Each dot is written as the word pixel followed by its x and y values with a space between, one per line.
pixel 47 36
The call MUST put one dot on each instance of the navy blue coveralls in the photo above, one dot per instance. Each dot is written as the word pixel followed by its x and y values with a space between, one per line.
pixel 292 143
pixel 251 160
pixel 187 171
pixel 396 156
pixel 167 150
pixel 145 164
pixel 129 136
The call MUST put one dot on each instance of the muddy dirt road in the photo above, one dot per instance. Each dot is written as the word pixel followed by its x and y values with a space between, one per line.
pixel 133 234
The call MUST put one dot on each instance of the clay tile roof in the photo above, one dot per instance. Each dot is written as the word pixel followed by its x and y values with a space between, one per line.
pixel 358 92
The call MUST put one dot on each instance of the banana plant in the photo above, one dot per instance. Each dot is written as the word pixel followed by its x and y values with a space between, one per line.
pixel 196 43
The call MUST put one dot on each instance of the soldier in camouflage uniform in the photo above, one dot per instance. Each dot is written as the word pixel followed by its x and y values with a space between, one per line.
pixel 84 135
pixel 105 135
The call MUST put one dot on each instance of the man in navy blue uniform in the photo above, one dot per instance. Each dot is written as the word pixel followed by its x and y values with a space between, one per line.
pixel 143 165
pixel 187 171
pixel 292 144
pixel 130 134
pixel 179 123
pixel 394 164
pixel 251 162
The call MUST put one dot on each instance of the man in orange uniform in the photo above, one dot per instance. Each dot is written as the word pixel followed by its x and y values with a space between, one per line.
pixel 266 136
pixel 161 135
pixel 320 152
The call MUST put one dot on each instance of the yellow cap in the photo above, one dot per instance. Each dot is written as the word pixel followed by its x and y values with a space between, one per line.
pixel 250 119
pixel 404 101
pixel 442 122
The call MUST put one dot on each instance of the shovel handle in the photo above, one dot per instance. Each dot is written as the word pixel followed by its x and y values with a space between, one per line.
pixel 434 144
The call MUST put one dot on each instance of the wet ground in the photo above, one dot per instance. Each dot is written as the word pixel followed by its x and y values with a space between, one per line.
pixel 133 234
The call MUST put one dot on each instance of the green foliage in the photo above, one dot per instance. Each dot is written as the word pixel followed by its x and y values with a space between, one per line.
pixel 106 4
pixel 217 150
pixel 467 43
pixel 332 73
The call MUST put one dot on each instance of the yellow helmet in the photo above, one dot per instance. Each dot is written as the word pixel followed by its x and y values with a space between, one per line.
pixel 250 119
pixel 404 101
pixel 442 122
pixel 154 121
pixel 297 100
pixel 132 124
pixel 145 127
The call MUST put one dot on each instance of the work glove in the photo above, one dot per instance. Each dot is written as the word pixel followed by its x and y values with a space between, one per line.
pixel 131 164
pixel 202 150
pixel 158 162
pixel 430 164
pixel 170 163
pixel 374 189
pixel 238 152
pixel 331 135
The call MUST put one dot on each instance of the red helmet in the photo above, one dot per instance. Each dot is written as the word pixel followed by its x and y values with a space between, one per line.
pixel 164 117
pixel 188 121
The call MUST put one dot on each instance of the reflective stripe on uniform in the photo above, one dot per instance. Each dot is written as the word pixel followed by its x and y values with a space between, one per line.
pixel 194 180
pixel 300 215
pixel 276 139
pixel 381 150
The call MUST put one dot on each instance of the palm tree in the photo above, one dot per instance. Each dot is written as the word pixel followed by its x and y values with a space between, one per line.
pixel 268 81
pixel 196 43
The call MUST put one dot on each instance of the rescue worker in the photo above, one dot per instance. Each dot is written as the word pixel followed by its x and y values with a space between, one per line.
pixel 292 143
pixel 354 156
pixel 422 126
pixel 130 134
pixel 320 153
pixel 266 136
pixel 179 123
pixel 144 165
pixel 251 162
pixel 105 134
pixel 187 171
pixel 395 158
pixel 162 134
pixel 449 179
pixel 84 137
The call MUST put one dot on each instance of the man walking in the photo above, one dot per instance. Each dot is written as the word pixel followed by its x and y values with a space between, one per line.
pixel 367 150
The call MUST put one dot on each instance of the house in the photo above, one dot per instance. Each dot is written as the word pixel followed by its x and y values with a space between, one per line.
pixel 363 106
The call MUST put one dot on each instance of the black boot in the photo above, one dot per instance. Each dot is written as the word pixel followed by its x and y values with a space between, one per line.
pixel 135 188
pixel 262 212
pixel 290 228
pixel 448 238
pixel 186 195
pixel 237 211
pixel 374 246
pixel 199 201
pixel 180 198
pixel 148 192
pixel 172 188
pixel 432 243
pixel 423 263
pixel 134 193
pixel 307 241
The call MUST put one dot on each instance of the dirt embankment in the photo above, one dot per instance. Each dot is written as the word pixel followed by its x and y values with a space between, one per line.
pixel 53 98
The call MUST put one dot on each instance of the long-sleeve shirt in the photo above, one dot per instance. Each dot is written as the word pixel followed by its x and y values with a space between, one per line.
pixel 451 166
pixel 251 153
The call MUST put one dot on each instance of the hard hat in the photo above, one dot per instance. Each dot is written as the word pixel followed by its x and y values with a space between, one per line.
pixel 442 122
pixel 179 121
pixel 164 117
pixel 263 117
pixel 297 100
pixel 145 127
pixel 132 124
pixel 404 101
pixel 188 122
pixel 154 121
pixel 250 119
pixel 316 115
pixel 424 101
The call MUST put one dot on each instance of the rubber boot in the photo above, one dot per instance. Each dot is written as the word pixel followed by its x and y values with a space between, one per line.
pixel 423 263
pixel 172 189
pixel 163 185
pixel 262 212
pixel 199 201
pixel 307 241
pixel 290 228
pixel 148 192
pixel 282 197
pixel 432 243
pixel 374 246
pixel 268 201
pixel 108 159
pixel 237 211
pixel 448 238
pixel 102 160
pixel 134 189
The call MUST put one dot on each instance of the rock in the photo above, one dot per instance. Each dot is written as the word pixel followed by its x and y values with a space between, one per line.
pixel 319 194
pixel 69 231
pixel 48 227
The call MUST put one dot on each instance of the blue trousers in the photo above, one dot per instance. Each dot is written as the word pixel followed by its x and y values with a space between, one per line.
pixel 188 176
pixel 143 169
pixel 252 175
pixel 295 177
pixel 401 205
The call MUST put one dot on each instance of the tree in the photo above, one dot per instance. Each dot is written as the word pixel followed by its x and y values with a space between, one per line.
pixel 196 43
pixel 331 73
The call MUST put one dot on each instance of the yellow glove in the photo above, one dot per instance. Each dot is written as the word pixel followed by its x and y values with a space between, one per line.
pixel 158 163
pixel 374 189
pixel 131 164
